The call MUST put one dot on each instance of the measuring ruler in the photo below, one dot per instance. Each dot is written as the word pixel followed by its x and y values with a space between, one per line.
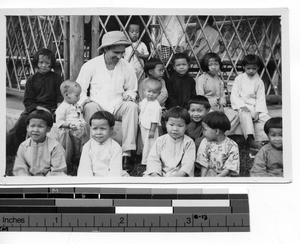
pixel 123 210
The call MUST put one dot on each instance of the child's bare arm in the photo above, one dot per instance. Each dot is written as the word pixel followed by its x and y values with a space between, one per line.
pixel 203 171
pixel 179 173
pixel 225 172
pixel 152 130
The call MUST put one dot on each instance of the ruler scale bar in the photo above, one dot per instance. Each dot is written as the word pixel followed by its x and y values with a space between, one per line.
pixel 123 210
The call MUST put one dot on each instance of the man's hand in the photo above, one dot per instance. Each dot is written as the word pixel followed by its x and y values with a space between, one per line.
pixel 245 109
pixel 126 97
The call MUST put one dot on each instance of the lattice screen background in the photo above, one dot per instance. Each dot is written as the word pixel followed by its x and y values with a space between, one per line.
pixel 240 35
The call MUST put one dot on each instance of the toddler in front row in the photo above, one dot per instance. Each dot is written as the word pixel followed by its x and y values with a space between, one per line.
pixel 268 161
pixel 173 154
pixel 217 155
pixel 40 155
pixel 101 155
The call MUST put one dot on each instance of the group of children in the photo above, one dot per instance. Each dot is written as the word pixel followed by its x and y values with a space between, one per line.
pixel 184 124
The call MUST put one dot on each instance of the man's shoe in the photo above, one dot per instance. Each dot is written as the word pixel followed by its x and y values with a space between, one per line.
pixel 127 164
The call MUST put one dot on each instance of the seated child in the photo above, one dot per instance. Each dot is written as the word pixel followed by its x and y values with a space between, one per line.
pixel 71 124
pixel 41 92
pixel 154 68
pixel 150 116
pixel 173 154
pixel 101 155
pixel 40 155
pixel 217 155
pixel 198 107
pixel 138 52
pixel 268 161
pixel 180 85
pixel 210 85
pixel 248 98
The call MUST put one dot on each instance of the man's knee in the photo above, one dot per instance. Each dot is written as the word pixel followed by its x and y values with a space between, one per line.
pixel 90 108
pixel 131 106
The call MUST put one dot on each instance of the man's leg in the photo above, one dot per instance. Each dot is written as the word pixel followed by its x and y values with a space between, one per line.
pixel 128 114
pixel 88 110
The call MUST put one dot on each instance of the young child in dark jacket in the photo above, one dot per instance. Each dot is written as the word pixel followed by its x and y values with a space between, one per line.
pixel 180 85
pixel 199 106
pixel 42 91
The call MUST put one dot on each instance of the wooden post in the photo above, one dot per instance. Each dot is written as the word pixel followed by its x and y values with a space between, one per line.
pixel 76 45
pixel 95 36
pixel 66 47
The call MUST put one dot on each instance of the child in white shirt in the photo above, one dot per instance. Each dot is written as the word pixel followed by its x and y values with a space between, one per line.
pixel 101 155
pixel 150 116
pixel 137 52
pixel 217 155
pixel 40 155
pixel 248 98
pixel 71 124
pixel 173 154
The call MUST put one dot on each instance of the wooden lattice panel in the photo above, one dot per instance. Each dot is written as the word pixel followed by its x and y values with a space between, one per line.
pixel 240 35
pixel 26 35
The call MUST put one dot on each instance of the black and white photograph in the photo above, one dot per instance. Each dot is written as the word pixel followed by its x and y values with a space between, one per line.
pixel 174 96
pixel 195 96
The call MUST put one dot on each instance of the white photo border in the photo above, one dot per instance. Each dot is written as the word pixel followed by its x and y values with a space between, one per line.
pixel 286 109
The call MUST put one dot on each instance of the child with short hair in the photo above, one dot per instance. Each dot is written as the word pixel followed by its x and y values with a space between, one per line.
pixel 150 116
pixel 248 98
pixel 268 161
pixel 217 155
pixel 41 92
pixel 210 85
pixel 180 85
pixel 71 124
pixel 173 154
pixel 137 52
pixel 198 107
pixel 154 69
pixel 101 155
pixel 40 155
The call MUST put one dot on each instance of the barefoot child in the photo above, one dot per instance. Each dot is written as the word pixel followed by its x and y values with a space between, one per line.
pixel 150 116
